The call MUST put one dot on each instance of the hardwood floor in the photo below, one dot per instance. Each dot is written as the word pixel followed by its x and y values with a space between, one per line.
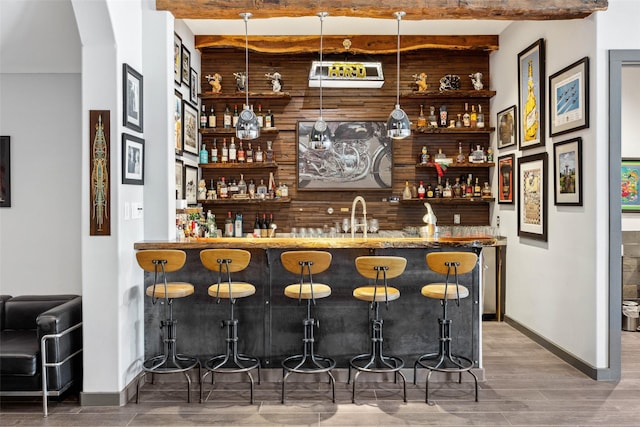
pixel 525 385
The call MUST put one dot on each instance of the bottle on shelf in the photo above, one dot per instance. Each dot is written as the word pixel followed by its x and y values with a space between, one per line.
pixel 269 225
pixel 228 225
pixel 466 118
pixel 233 154
pixel 447 191
pixel 271 189
pixel 203 117
pixel 422 120
pixel 486 191
pixel 214 151
pixel 406 193
pixel 429 192
pixel 242 185
pixel 256 226
pixel 226 118
pixel 469 190
pixel 444 117
pixel 284 190
pixel 269 152
pixel 232 187
pixel 459 121
pixel 260 116
pixel 473 117
pixel 234 119
pixel 457 189
pixel 421 191
pixel 477 190
pixel 261 190
pixel 249 153
pixel 224 189
pixel 264 226
pixel 460 158
pixel 268 119
pixel 211 224
pixel 241 154
pixel 432 119
pixel 251 189
pixel 237 229
pixel 424 155
pixel 480 117
pixel 212 121
pixel 440 156
pixel 478 155
pixel 489 155
pixel 225 151
pixel 439 188
pixel 259 154
pixel 204 154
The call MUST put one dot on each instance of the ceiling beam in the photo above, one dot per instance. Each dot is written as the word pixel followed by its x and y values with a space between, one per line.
pixel 416 9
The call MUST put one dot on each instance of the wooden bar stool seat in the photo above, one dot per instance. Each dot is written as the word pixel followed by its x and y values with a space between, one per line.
pixel 306 264
pixel 161 262
pixel 225 262
pixel 379 269
pixel 450 264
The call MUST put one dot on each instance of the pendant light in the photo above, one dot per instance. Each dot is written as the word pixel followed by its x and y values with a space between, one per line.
pixel 247 126
pixel 320 136
pixel 398 125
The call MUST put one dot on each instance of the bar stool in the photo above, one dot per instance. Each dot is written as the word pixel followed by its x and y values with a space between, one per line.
pixel 379 268
pixel 161 262
pixel 307 263
pixel 225 262
pixel 447 263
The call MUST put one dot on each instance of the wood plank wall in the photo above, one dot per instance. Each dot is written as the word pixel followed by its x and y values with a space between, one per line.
pixel 309 208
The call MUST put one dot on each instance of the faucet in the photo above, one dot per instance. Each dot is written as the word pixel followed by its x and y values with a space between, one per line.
pixel 355 225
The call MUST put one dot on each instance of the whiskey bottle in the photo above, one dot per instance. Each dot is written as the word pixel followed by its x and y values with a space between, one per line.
pixel 249 153
pixel 233 154
pixel 530 109
pixel 225 151
pixel 227 118
pixel 214 152
pixel 422 120
pixel 466 118
pixel 447 191
pixel 259 155
pixel 241 154
pixel 477 190
pixel 473 117
pixel 268 119
pixel 457 189
pixel 203 118
pixel 251 189
pixel 234 119
pixel 480 123
pixel 212 120
pixel 260 116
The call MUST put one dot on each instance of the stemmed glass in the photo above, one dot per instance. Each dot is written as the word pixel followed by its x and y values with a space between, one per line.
pixel 345 225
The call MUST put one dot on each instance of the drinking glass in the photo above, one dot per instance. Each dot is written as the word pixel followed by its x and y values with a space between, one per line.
pixel 374 226
pixel 346 225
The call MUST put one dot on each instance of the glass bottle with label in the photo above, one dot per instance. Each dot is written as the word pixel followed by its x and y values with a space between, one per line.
pixel 473 117
pixel 460 158
pixel 477 190
pixel 422 120
pixel 459 121
pixel 241 154
pixel 227 118
pixel 242 185
pixel 237 232
pixel 406 193
pixel 480 122
pixel 203 117
pixel 447 191
pixel 236 117
pixel 225 151
pixel 432 119
pixel 228 225
pixel 256 226
pixel 212 121
pixel 251 189
pixel 204 154
pixel 261 190
pixel 214 152
pixel 264 226
pixel 224 189
pixel 268 119
pixel 259 154
pixel 260 116
pixel 421 191
pixel 269 153
pixel 444 117
pixel 486 191
pixel 233 154
pixel 457 189
pixel 249 153
pixel 466 118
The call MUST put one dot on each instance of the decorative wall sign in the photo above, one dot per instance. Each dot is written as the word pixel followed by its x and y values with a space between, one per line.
pixel 132 98
pixel 5 172
pixel 569 98
pixel 359 158
pixel 132 160
pixel 189 128
pixel 506 171
pixel 531 80
pixel 567 172
pixel 532 196
pixel 630 185
pixel 99 173
pixel 507 122
pixel 177 58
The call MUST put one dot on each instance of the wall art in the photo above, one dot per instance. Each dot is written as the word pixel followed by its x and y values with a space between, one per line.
pixel 531 81
pixel 5 171
pixel 506 171
pixel 193 87
pixel 132 160
pixel 191 184
pixel 569 98
pixel 177 122
pixel 186 65
pixel 177 58
pixel 190 121
pixel 132 98
pixel 630 185
pixel 99 173
pixel 507 122
pixel 179 179
pixel 567 172
pixel 532 196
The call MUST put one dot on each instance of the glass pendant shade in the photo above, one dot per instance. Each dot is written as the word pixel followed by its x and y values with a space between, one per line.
pixel 320 136
pixel 398 124
pixel 247 126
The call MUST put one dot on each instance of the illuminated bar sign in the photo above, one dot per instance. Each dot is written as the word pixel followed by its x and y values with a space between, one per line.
pixel 346 74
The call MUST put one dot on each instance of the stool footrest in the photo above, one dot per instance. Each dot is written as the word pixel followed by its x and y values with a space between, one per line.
pixel 229 364
pixel 442 363
pixel 161 364
pixel 376 363
pixel 308 364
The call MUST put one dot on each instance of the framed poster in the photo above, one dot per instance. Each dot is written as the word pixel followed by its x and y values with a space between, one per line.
pixel 190 121
pixel 359 158
pixel 177 122
pixel 193 87
pixel 132 160
pixel 5 172
pixel 99 173
pixel 505 178
pixel 531 94
pixel 630 185
pixel 185 57
pixel 532 196
pixel 567 172
pixel 569 98
pixel 507 121
pixel 177 58
pixel 132 98
pixel 191 184
pixel 179 180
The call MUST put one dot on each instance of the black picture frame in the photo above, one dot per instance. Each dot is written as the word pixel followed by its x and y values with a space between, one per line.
pixel 193 87
pixel 630 185
pixel 507 127
pixel 360 158
pixel 532 196
pixel 506 183
pixel 179 179
pixel 569 98
pixel 132 160
pixel 190 123
pixel 177 58
pixel 177 122
pixel 567 172
pixel 531 96
pixel 185 60
pixel 191 184
pixel 5 171
pixel 132 96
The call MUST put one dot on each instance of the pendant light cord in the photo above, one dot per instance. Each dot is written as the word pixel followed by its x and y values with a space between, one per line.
pixel 322 16
pixel 246 58
pixel 399 17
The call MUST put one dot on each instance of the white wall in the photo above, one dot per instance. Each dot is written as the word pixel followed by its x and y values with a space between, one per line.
pixel 630 129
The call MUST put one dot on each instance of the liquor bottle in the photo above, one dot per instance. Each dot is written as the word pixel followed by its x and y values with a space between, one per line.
pixel 466 118
pixel 241 154
pixel 204 154
pixel 203 117
pixel 224 189
pixel 421 191
pixel 242 185
pixel 433 120
pixel 406 193
pixel 460 158
pixel 486 191
pixel 259 155
pixel 438 191
pixel 228 225
pixel 214 152
pixel 269 225
pixel 268 119
pixel 225 151
pixel 269 152
pixel 232 188
pixel 530 109
pixel 249 153
pixel 237 232
pixel 447 191
pixel 256 226
pixel 473 117
pixel 211 224
pixel 444 117
pixel 424 155
pixel 261 190
pixel 227 118
pixel 429 192
pixel 251 189
pixel 234 119
pixel 459 121
pixel 212 121
pixel 233 154
pixel 477 190
pixel 285 190
pixel 260 116
pixel 469 191
pixel 422 120
pixel 480 122
pixel 440 156
pixel 463 186
pixel 457 189
pixel 264 227
pixel 271 188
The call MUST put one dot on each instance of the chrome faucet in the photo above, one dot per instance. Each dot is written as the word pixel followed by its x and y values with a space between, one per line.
pixel 355 225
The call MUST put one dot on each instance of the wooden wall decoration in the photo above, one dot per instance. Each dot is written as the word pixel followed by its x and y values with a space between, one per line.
pixel 99 173
pixel 5 172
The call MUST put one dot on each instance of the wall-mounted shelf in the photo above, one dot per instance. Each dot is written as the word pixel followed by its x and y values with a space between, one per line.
pixel 453 94
pixel 219 202
pixel 241 166
pixel 458 165
pixel 448 200
pixel 232 131
pixel 453 131
pixel 242 95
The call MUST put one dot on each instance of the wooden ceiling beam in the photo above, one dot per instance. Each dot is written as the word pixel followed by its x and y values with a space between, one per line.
pixel 359 44
pixel 416 9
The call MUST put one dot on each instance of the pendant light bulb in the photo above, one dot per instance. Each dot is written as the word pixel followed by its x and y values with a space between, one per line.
pixel 247 126
pixel 398 125
pixel 320 136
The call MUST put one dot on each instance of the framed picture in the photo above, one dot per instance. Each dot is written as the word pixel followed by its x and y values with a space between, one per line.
pixel 185 58
pixel 5 172
pixel 132 160
pixel 189 128
pixel 532 196
pixel 177 58
pixel 569 98
pixel 193 87
pixel 179 179
pixel 505 178
pixel 132 98
pixel 177 122
pixel 630 185
pixel 507 121
pixel 99 173
pixel 531 94
pixel 190 184
pixel 360 158
pixel 567 172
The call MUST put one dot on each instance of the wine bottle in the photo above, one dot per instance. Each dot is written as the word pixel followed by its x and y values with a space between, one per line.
pixel 203 117
pixel 234 119
pixel 233 154
pixel 256 226
pixel 228 225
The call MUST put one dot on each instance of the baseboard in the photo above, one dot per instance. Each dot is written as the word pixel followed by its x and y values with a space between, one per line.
pixel 580 365
pixel 109 399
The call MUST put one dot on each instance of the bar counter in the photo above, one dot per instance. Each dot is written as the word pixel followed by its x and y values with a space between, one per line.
pixel 270 324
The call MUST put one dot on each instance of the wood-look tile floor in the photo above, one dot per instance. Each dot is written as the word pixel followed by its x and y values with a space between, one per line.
pixel 525 385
